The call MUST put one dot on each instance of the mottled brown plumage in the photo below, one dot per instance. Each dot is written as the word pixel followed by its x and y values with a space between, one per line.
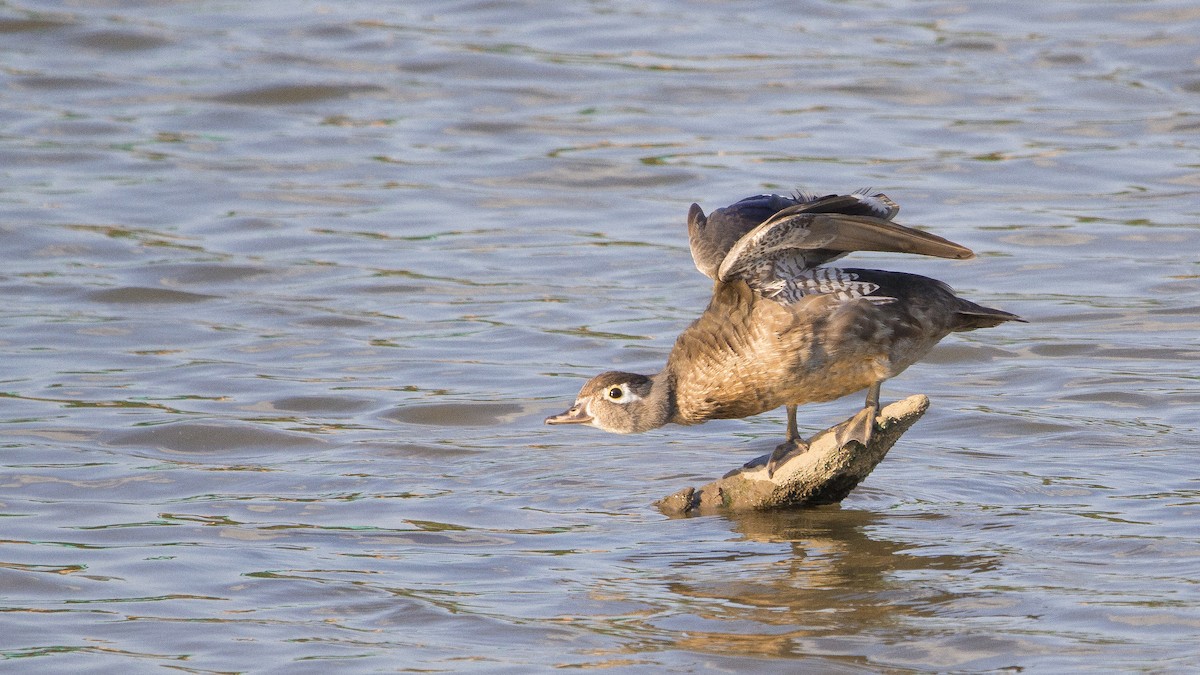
pixel 747 354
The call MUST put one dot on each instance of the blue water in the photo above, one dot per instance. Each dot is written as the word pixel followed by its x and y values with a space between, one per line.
pixel 289 288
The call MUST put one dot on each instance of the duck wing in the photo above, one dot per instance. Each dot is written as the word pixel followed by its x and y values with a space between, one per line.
pixel 779 258
pixel 859 203
pixel 712 236
pixel 816 238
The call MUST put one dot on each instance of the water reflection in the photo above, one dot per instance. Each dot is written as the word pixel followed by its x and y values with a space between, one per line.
pixel 837 589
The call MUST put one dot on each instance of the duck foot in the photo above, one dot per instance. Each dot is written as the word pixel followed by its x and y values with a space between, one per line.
pixel 859 428
pixel 783 451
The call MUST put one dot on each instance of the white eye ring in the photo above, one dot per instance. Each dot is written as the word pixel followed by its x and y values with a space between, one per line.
pixel 620 393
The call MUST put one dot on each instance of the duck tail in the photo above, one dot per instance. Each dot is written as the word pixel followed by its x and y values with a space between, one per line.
pixel 974 316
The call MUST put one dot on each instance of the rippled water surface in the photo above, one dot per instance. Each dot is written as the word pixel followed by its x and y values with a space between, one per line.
pixel 289 288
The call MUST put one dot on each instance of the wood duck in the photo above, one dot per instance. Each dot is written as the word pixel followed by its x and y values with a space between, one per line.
pixel 782 331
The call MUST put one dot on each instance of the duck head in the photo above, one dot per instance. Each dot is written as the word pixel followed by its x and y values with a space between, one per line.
pixel 622 403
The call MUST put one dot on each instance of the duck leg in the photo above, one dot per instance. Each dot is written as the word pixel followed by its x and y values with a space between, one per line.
pixel 792 433
pixel 860 427
pixel 792 444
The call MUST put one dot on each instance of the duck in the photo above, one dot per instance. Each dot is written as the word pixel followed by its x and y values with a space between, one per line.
pixel 784 329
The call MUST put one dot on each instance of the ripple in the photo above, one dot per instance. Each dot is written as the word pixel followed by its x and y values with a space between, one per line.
pixel 205 438
pixel 1049 238
pixel 417 450
pixel 593 174
pixel 122 41
pixel 292 94
pixel 1120 399
pixel 205 273
pixel 65 82
pixel 141 295
pixel 31 25
pixel 457 414
pixel 320 404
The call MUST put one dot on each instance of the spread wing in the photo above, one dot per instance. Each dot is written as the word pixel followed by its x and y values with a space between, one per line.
pixel 778 258
pixel 711 237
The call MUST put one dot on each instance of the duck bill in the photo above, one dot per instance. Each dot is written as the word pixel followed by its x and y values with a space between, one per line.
pixel 578 414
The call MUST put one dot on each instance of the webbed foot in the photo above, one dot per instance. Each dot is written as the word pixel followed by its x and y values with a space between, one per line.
pixel 782 452
pixel 858 428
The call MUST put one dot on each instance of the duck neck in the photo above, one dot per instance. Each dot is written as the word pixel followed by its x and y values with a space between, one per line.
pixel 661 401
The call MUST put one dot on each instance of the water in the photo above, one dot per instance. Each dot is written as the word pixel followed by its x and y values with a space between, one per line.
pixel 289 287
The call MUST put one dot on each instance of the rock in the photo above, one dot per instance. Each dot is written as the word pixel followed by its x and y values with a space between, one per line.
pixel 824 474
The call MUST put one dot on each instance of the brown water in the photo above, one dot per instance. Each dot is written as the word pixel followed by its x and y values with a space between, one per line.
pixel 289 287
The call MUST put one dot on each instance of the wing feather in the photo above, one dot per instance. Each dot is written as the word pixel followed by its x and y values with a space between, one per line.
pixel 828 236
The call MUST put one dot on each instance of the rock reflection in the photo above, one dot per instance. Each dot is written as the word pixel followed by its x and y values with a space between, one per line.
pixel 838 588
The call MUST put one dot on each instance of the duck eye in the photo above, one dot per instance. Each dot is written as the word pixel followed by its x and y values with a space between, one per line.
pixel 615 393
